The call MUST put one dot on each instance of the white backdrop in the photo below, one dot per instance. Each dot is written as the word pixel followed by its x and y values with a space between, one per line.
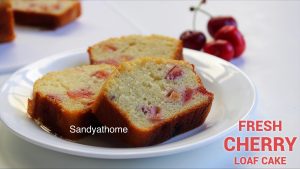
pixel 272 61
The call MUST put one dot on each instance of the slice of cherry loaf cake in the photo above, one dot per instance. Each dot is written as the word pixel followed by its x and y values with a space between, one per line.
pixel 6 21
pixel 49 14
pixel 154 98
pixel 116 50
pixel 64 98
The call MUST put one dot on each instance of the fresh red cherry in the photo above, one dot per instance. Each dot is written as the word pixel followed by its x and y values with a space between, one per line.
pixel 234 36
pixel 220 48
pixel 193 39
pixel 216 23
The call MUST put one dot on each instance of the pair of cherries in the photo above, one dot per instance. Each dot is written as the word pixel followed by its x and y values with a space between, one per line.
pixel 228 41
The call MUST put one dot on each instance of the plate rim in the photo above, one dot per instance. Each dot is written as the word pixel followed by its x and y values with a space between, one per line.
pixel 128 153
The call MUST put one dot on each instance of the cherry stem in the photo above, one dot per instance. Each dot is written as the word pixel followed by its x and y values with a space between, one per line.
pixel 206 13
pixel 196 9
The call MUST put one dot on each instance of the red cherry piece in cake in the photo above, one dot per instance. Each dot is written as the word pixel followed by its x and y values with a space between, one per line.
pixel 125 58
pixel 108 61
pixel 81 93
pixel 187 94
pixel 101 74
pixel 109 47
pixel 45 8
pixel 151 112
pixel 56 6
pixel 174 73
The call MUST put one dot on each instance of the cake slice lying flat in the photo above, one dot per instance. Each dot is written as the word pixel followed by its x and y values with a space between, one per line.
pixel 49 14
pixel 6 21
pixel 64 98
pixel 154 98
pixel 117 50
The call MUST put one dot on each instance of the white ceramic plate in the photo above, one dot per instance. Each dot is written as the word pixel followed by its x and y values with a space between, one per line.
pixel 234 99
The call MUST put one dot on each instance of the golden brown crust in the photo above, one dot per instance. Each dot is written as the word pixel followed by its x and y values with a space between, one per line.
pixel 51 115
pixel 48 21
pixel 179 52
pixel 89 50
pixel 7 33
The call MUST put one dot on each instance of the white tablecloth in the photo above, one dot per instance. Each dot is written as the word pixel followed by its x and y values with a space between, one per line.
pixel 272 61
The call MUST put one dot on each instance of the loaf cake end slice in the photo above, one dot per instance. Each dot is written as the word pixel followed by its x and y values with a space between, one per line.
pixel 154 98
pixel 47 14
pixel 64 98
pixel 117 50
pixel 7 33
